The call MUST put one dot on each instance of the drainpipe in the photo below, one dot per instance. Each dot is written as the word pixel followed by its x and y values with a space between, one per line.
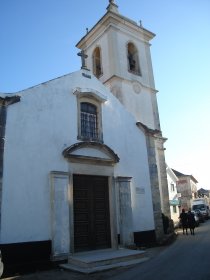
pixel 4 102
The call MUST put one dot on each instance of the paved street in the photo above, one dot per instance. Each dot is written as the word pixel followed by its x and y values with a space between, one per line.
pixel 187 258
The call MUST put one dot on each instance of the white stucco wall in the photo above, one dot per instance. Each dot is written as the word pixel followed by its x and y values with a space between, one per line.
pixel 38 129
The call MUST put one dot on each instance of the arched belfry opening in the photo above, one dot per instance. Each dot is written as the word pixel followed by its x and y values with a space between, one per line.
pixel 97 65
pixel 133 59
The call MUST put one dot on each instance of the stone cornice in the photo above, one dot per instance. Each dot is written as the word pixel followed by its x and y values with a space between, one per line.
pixel 153 132
pixel 153 90
pixel 148 130
pixel 9 100
pixel 115 18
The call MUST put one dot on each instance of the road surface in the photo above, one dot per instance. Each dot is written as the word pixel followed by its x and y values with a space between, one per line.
pixel 187 258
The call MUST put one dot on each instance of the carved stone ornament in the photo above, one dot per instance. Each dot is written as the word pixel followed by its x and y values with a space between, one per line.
pixel 137 87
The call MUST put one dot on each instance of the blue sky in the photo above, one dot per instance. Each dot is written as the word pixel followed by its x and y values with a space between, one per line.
pixel 37 43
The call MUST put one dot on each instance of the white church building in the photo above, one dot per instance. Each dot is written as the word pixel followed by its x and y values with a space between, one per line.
pixel 82 161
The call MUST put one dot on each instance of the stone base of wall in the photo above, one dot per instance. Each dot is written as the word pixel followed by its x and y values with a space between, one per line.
pixel 149 239
pixel 143 238
pixel 25 257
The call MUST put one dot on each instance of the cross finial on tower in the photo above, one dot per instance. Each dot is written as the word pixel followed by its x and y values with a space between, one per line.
pixel 112 7
pixel 83 57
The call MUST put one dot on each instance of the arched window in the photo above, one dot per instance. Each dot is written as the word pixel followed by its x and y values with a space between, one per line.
pixel 89 121
pixel 97 67
pixel 133 59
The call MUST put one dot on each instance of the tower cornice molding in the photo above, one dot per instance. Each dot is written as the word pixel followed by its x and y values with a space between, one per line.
pixel 131 81
pixel 121 21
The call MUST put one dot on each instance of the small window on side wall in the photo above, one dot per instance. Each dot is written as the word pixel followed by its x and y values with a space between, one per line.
pixel 97 65
pixel 133 59
pixel 172 187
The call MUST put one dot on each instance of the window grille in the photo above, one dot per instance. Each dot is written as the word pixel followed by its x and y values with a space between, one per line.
pixel 89 126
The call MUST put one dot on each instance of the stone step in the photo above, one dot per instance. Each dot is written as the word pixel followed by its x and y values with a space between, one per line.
pixel 89 262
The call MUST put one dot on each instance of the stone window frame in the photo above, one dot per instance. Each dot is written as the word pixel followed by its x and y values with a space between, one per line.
pixel 137 68
pixel 100 73
pixel 90 99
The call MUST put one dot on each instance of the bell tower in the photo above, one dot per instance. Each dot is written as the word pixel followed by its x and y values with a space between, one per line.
pixel 118 51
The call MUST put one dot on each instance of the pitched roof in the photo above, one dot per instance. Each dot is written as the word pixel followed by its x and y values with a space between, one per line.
pixel 179 174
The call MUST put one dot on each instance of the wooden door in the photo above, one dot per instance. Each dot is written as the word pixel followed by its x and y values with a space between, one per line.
pixel 91 213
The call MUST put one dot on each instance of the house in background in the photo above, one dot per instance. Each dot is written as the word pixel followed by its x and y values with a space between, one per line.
pixel 82 158
pixel 174 195
pixel 202 192
pixel 187 186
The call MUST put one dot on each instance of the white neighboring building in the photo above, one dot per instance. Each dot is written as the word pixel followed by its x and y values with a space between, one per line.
pixel 174 196
pixel 187 186
pixel 82 162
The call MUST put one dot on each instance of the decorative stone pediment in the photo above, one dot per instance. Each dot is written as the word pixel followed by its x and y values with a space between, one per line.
pixel 89 92
pixel 91 153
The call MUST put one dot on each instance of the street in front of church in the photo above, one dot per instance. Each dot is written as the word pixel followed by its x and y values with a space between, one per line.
pixel 187 257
